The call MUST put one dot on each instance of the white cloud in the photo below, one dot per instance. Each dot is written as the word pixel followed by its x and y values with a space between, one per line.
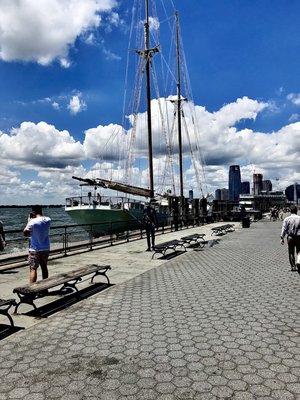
pixel 294 117
pixel 51 156
pixel 76 104
pixel 44 30
pixel 41 145
pixel 153 24
pixel 105 142
pixel 294 98
pixel 55 105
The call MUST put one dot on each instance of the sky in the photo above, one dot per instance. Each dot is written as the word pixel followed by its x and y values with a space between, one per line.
pixel 62 74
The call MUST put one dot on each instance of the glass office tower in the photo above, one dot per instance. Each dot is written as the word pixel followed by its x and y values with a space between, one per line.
pixel 234 182
pixel 245 188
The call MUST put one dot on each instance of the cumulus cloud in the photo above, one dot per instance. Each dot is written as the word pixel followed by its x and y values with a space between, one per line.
pixel 294 98
pixel 76 104
pixel 54 156
pixel 55 105
pixel 52 31
pixel 40 146
pixel 105 142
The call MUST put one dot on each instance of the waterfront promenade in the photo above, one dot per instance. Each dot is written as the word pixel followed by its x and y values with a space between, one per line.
pixel 222 323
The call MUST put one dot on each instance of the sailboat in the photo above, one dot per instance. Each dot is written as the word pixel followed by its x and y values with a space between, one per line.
pixel 104 213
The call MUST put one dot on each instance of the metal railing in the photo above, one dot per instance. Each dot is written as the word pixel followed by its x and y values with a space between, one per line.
pixel 69 239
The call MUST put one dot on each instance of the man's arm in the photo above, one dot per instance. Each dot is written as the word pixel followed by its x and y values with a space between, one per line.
pixel 26 232
pixel 283 231
pixel 2 234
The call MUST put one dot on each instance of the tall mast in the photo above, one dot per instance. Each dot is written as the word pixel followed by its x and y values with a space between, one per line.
pixel 147 55
pixel 179 107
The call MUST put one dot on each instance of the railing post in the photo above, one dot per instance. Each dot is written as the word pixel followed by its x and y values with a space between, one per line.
pixel 111 234
pixel 65 241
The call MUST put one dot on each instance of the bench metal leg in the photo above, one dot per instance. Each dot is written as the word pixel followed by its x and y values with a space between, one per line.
pixel 4 311
pixel 71 284
pixel 100 273
pixel 26 299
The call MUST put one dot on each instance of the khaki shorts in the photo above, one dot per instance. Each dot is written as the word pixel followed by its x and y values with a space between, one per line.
pixel 36 258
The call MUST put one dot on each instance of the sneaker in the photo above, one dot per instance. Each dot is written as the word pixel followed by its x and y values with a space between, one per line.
pixel 148 249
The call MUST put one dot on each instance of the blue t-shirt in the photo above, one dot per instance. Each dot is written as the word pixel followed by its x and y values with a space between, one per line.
pixel 39 233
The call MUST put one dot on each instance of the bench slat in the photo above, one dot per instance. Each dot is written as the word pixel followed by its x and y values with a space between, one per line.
pixel 60 279
pixel 169 245
pixel 28 293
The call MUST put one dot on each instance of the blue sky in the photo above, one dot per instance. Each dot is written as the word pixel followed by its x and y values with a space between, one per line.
pixel 62 68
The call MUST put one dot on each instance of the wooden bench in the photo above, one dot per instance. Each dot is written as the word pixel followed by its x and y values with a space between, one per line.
pixel 222 229
pixel 5 306
pixel 196 239
pixel 162 248
pixel 28 293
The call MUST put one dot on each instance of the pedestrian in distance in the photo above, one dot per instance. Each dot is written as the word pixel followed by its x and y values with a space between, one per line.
pixel 291 229
pixel 38 229
pixel 2 237
pixel 151 223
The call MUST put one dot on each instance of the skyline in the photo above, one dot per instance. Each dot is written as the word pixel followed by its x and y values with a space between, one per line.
pixel 62 68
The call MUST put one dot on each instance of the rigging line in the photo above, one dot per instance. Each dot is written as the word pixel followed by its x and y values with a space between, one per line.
pixel 156 40
pixel 164 7
pixel 164 128
pixel 198 180
pixel 187 85
pixel 197 138
pixel 170 75
pixel 192 154
pixel 134 7
pixel 172 135
pixel 129 159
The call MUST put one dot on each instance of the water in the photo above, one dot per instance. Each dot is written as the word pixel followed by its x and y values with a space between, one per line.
pixel 15 219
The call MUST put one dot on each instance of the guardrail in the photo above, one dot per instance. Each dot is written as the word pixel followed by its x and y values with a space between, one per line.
pixel 67 239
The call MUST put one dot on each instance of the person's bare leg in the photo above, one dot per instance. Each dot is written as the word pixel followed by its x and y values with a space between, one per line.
pixel 32 275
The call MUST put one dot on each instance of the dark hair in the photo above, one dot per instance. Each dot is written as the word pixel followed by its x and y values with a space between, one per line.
pixel 294 209
pixel 37 209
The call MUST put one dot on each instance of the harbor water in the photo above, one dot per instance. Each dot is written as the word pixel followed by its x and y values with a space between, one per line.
pixel 15 218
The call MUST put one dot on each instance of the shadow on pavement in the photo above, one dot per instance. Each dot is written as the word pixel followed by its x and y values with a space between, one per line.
pixel 7 330
pixel 68 297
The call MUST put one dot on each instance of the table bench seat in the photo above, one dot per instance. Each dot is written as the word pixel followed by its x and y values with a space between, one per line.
pixel 28 293
pixel 222 229
pixel 162 248
pixel 197 238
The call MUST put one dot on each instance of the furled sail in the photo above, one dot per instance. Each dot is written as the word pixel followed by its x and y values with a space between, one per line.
pixel 121 187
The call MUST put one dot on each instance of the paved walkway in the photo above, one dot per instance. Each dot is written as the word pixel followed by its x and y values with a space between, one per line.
pixel 222 323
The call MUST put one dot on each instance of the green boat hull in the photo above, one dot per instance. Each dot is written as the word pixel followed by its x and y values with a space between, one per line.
pixel 105 222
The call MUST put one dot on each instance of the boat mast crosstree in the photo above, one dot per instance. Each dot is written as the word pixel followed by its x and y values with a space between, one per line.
pixel 113 214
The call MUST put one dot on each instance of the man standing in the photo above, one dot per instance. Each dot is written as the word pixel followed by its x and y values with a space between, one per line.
pixel 38 229
pixel 291 228
pixel 2 237
pixel 150 220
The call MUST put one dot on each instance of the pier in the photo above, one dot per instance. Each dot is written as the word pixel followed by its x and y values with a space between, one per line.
pixel 219 322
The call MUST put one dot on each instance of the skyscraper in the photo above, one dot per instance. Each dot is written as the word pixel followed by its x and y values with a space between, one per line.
pixel 267 186
pixel 245 188
pixel 234 182
pixel 257 183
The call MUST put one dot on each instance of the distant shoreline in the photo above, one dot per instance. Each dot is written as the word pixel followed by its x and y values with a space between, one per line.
pixel 29 206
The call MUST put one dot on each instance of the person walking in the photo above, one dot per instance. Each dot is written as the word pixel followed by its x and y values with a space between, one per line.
pixel 150 221
pixel 38 229
pixel 291 229
pixel 2 237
